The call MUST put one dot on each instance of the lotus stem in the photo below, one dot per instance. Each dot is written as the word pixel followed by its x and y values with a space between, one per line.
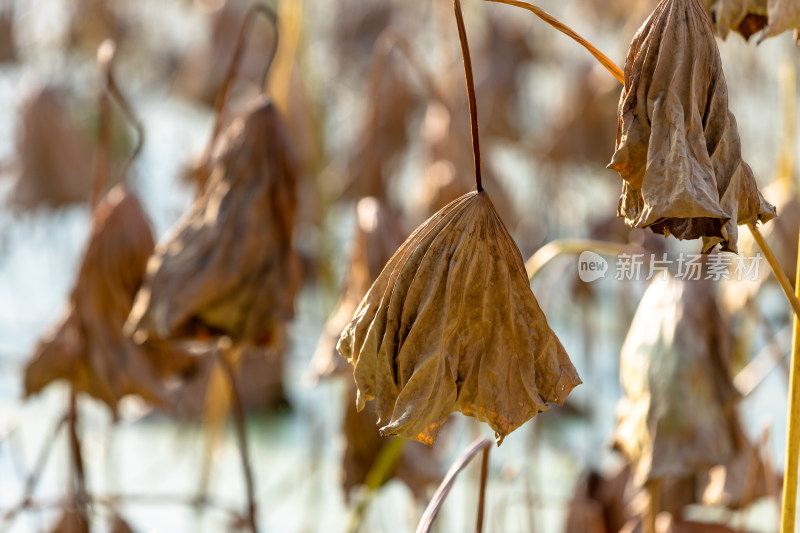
pixel 780 275
pixel 435 505
pixel 227 362
pixel 379 472
pixel 473 102
pixel 230 76
pixel 789 504
pixel 566 30
pixel 553 249
pixel 78 470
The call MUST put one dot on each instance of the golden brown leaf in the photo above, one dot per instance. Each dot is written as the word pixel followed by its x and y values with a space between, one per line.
pixel 88 347
pixel 675 419
pixel 678 148
pixel 452 325
pixel 228 267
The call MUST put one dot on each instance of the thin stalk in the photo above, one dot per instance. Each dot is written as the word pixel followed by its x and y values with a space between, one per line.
pixel 432 511
pixel 102 158
pixel 473 102
pixel 379 472
pixel 78 470
pixel 230 77
pixel 566 30
pixel 553 249
pixel 789 504
pixel 35 475
pixel 780 275
pixel 105 57
pixel 241 432
pixel 482 491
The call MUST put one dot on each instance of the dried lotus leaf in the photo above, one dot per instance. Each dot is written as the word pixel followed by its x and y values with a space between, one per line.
pixel 55 155
pixel 229 268
pixel 88 348
pixel 452 325
pixel 783 15
pixel 745 16
pixel 673 420
pixel 678 148
pixel 378 235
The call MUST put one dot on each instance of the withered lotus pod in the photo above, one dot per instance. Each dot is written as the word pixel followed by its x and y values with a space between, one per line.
pixel 88 347
pixel 678 148
pixel 451 325
pixel 228 267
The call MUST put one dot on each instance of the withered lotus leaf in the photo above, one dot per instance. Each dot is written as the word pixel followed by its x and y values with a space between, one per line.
pixel 88 348
pixel 678 148
pixel 228 267
pixel 784 15
pixel 378 235
pixel 745 16
pixel 676 418
pixel 451 325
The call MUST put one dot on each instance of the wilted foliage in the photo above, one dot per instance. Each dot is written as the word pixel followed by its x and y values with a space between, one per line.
pixel 378 235
pixel 677 414
pixel 452 325
pixel 54 154
pixel 87 348
pixel 678 148
pixel 228 268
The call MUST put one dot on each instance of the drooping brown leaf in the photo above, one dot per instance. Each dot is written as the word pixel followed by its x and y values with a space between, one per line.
pixel 678 148
pixel 55 155
pixel 417 466
pixel 784 15
pixel 71 522
pixel 675 419
pixel 452 325
pixel 744 16
pixel 378 235
pixel 228 268
pixel 88 348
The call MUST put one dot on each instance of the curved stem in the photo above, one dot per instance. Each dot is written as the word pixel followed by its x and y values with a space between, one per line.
pixel 553 249
pixel 473 104
pixel 566 30
pixel 435 505
pixel 106 58
pixel 230 76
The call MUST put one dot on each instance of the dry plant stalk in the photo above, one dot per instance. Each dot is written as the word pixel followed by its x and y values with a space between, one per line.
pixel 678 148
pixel 451 323
pixel 71 522
pixel 228 267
